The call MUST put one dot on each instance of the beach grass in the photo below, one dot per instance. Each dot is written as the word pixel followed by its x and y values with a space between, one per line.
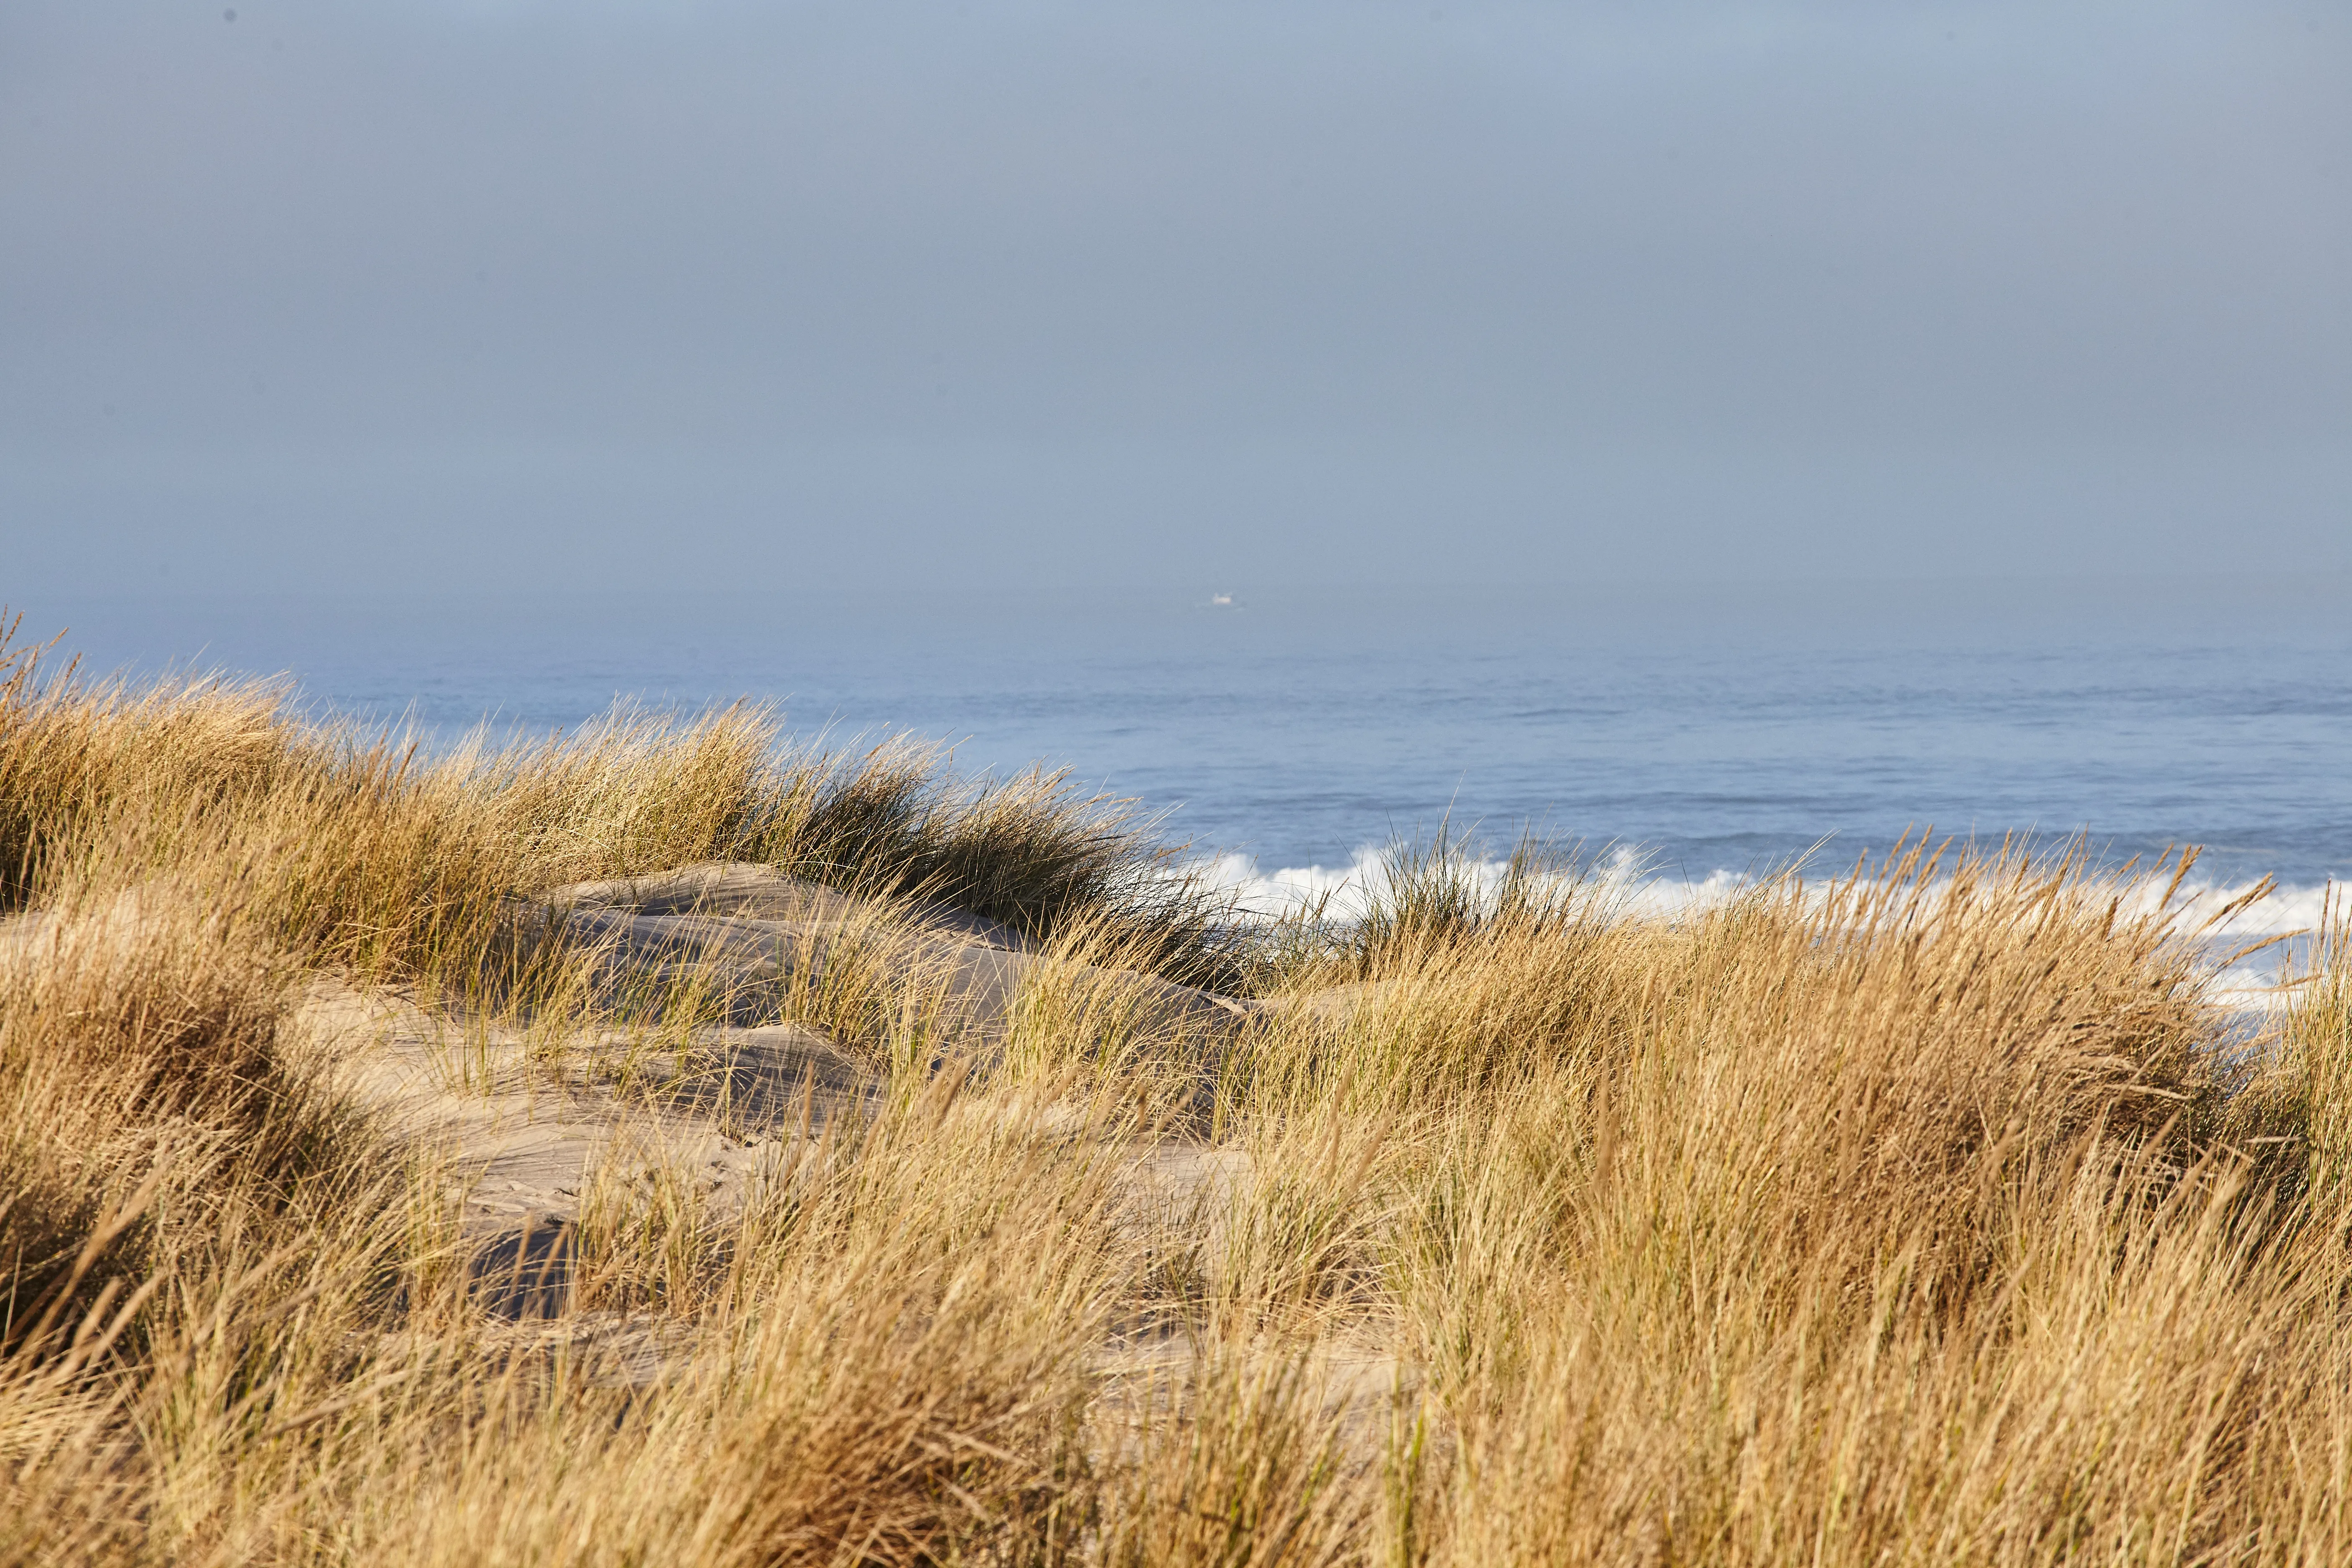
pixel 1936 1212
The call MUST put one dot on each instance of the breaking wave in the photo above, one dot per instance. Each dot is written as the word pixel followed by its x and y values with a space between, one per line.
pixel 1627 885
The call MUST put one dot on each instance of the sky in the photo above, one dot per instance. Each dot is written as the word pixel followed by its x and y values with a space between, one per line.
pixel 874 295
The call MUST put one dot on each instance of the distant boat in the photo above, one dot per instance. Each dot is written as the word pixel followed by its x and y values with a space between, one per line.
pixel 1220 598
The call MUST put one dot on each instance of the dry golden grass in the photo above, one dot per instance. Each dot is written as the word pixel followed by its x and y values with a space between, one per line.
pixel 361 854
pixel 1930 1214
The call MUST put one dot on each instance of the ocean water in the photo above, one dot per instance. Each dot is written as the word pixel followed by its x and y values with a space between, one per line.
pixel 1688 735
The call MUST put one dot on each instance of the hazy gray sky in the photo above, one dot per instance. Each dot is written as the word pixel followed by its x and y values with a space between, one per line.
pixel 812 294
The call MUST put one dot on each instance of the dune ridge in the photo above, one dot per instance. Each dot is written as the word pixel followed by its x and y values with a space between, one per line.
pixel 661 1145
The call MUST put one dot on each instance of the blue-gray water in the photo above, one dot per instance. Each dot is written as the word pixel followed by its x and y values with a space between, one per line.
pixel 1718 729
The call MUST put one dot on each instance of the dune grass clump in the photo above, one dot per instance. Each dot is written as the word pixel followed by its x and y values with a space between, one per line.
pixel 1934 1213
pixel 362 852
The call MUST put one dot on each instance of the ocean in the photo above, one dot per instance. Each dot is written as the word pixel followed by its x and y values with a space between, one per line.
pixel 1687 735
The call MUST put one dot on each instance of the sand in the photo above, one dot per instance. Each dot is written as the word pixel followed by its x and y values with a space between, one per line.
pixel 521 1121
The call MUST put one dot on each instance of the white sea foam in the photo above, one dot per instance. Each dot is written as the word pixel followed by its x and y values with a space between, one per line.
pixel 1350 888
pixel 2249 984
pixel 1347 890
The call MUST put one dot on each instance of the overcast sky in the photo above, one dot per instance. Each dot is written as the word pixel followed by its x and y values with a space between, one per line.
pixel 604 295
